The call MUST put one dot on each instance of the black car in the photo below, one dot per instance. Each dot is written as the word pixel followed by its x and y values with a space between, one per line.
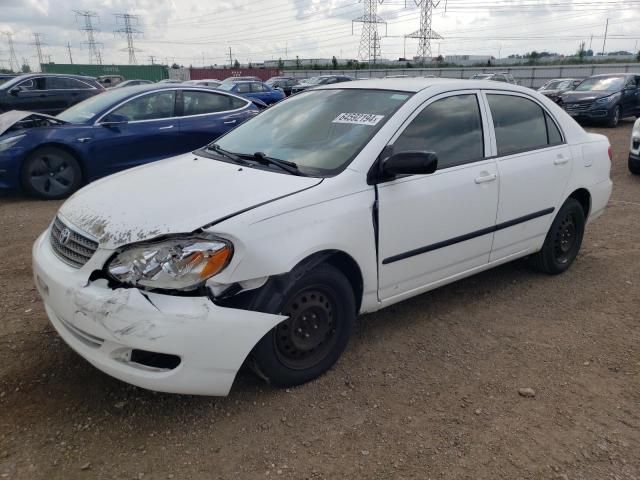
pixel 283 83
pixel 604 98
pixel 321 80
pixel 46 93
pixel 5 77
pixel 556 87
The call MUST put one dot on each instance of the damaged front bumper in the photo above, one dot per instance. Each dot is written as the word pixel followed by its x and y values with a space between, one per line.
pixel 155 341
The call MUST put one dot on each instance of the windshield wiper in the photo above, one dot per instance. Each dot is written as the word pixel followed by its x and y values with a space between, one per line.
pixel 285 165
pixel 225 153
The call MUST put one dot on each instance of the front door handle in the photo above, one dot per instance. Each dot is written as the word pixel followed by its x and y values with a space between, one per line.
pixel 166 128
pixel 230 122
pixel 485 177
pixel 560 160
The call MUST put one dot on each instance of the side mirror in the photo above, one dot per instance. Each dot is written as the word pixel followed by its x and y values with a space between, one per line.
pixel 15 91
pixel 114 120
pixel 412 162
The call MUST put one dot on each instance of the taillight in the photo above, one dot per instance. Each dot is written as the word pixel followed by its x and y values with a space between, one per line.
pixel 610 153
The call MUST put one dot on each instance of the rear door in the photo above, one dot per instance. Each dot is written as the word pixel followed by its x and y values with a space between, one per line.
pixel 207 114
pixel 630 98
pixel 151 132
pixel 534 164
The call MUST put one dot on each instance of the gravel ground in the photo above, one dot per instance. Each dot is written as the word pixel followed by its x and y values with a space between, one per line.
pixel 427 389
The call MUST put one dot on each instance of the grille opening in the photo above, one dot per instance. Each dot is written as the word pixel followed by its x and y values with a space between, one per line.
pixel 163 361
pixel 70 246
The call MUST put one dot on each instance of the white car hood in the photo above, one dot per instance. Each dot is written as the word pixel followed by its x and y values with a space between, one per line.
pixel 177 195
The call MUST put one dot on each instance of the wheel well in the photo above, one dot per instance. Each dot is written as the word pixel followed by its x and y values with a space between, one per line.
pixel 67 149
pixel 583 196
pixel 343 262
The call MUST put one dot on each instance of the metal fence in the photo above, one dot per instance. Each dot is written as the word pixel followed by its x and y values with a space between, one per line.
pixel 533 77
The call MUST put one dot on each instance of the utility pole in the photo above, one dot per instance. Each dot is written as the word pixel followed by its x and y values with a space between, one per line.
pixel 230 58
pixel 369 40
pixel 604 42
pixel 90 30
pixel 14 65
pixel 69 50
pixel 37 41
pixel 128 31
pixel 152 59
pixel 590 42
pixel 426 33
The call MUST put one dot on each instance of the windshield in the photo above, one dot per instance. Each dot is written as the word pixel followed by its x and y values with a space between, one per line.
pixel 553 85
pixel 321 130
pixel 89 108
pixel 601 84
pixel 481 77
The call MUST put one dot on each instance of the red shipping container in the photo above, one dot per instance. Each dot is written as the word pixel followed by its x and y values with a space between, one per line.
pixel 222 73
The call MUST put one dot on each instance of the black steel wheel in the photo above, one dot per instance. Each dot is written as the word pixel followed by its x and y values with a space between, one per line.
pixel 321 311
pixel 563 241
pixel 51 173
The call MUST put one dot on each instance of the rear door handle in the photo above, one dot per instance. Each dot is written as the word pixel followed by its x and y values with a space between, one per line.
pixel 230 122
pixel 166 128
pixel 560 160
pixel 486 178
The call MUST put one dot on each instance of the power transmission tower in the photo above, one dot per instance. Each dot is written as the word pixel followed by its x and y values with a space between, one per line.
pixel 128 31
pixel 370 40
pixel 37 41
pixel 152 59
pixel 90 30
pixel 425 34
pixel 14 65
pixel 69 50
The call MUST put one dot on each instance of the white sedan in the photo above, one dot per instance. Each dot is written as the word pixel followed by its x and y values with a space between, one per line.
pixel 336 202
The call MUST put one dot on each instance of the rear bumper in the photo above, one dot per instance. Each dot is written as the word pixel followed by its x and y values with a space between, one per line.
pixel 106 326
pixel 600 194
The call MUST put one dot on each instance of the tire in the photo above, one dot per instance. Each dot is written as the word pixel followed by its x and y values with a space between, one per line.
pixel 614 119
pixel 51 173
pixel 322 310
pixel 563 240
pixel 634 167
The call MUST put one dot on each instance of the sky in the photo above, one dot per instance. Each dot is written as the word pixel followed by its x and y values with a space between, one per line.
pixel 196 32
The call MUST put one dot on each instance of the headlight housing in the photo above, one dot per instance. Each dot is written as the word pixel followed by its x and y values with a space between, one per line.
pixel 183 263
pixel 607 100
pixel 7 143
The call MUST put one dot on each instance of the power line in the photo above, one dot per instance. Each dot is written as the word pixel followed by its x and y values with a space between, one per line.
pixel 129 32
pixel 369 39
pixel 426 33
pixel 90 30
pixel 14 66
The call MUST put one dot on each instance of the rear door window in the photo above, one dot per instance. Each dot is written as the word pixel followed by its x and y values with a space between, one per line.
pixel 520 124
pixel 198 103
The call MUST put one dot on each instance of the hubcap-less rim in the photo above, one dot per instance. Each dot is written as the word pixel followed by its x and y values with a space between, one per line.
pixel 50 174
pixel 309 333
pixel 616 116
pixel 565 239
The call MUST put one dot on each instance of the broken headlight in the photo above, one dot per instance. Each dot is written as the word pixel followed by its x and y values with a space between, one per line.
pixel 174 264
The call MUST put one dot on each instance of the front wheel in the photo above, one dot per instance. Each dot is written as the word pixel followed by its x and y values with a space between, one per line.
pixel 614 119
pixel 634 166
pixel 321 310
pixel 51 173
pixel 563 241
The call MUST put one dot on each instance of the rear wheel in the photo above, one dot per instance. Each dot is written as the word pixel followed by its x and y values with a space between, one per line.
pixel 563 241
pixel 51 173
pixel 634 166
pixel 321 310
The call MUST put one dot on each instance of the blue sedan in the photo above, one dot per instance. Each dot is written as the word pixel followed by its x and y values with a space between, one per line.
pixel 51 157
pixel 254 89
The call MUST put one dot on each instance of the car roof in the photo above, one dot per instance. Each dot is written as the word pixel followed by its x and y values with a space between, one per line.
pixel 70 75
pixel 605 75
pixel 417 84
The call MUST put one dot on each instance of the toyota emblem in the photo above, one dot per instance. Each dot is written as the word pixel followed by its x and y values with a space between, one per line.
pixel 65 235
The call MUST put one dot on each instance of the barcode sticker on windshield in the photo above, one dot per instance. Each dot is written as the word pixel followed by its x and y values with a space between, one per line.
pixel 358 118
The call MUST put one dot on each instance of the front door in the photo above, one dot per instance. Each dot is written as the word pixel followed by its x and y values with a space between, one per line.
pixel 434 227
pixel 630 97
pixel 151 132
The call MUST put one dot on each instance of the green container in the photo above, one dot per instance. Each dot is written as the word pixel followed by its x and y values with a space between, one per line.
pixel 129 72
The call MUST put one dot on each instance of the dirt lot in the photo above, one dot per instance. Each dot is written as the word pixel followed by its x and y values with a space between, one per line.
pixel 426 389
